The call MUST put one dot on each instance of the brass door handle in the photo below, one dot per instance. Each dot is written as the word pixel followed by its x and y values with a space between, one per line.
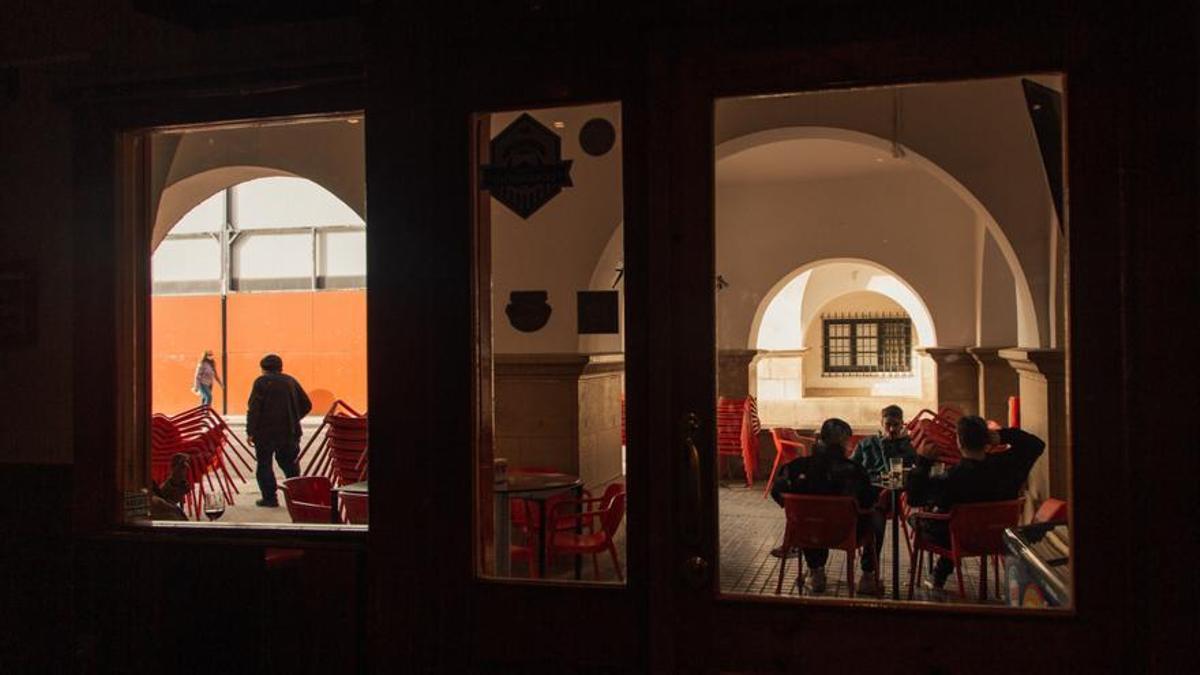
pixel 690 508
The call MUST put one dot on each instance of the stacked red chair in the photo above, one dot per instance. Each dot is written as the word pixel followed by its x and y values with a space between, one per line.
pixel 939 428
pixel 737 432
pixel 211 446
pixel 341 446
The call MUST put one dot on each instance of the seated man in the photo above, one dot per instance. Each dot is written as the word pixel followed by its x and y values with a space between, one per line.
pixel 875 453
pixel 979 477
pixel 828 472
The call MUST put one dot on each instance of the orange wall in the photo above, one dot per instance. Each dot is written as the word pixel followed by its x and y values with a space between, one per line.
pixel 321 336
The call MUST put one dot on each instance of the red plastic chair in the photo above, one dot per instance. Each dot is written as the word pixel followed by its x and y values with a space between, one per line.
pixel 609 509
pixel 824 522
pixel 852 443
pixel 1051 510
pixel 976 531
pixel 356 508
pixel 307 498
pixel 737 433
pixel 788 446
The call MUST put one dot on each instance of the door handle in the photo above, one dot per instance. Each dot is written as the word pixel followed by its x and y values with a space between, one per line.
pixel 690 507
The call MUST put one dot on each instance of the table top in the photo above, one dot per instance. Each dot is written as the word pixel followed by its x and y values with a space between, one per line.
pixel 887 482
pixel 537 482
pixel 359 488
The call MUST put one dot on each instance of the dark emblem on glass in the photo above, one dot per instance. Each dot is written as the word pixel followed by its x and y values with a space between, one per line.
pixel 597 136
pixel 528 311
pixel 599 312
pixel 527 168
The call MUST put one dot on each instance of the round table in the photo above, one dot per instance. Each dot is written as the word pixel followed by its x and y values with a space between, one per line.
pixel 536 487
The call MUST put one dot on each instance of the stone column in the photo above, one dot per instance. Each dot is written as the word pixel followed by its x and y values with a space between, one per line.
pixel 957 377
pixel 1042 376
pixel 736 376
pixel 561 411
pixel 997 381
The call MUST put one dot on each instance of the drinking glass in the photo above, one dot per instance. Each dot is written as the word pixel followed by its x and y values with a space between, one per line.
pixel 214 506
pixel 897 464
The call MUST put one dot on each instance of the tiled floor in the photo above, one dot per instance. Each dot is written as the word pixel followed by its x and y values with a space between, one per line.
pixel 751 525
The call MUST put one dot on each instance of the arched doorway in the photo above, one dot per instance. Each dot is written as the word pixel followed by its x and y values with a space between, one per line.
pixel 854 304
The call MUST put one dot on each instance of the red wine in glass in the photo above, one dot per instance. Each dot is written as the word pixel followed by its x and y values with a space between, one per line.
pixel 214 506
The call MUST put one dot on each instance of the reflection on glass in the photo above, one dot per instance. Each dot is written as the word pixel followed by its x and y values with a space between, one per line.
pixel 551 475
pixel 894 310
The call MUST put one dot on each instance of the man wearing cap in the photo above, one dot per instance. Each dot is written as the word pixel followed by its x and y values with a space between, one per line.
pixel 277 404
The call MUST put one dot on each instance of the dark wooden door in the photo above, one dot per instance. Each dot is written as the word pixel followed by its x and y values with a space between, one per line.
pixel 438 604
pixel 430 74
pixel 689 71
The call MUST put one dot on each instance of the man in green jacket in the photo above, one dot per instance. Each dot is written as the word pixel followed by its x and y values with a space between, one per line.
pixel 874 453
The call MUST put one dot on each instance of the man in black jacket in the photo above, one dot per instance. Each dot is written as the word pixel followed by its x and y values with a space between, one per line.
pixel 979 477
pixel 828 472
pixel 277 404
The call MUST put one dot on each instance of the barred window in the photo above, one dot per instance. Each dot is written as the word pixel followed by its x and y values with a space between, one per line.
pixel 867 345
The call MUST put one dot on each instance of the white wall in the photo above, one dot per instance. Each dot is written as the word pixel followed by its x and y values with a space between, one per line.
pixel 996 317
pixel 560 248
pixel 978 131
pixel 276 202
pixel 907 221
pixel 190 166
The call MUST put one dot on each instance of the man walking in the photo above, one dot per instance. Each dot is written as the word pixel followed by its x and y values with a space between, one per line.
pixel 277 404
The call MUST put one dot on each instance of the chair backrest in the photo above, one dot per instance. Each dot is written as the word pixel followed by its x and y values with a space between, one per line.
pixel 978 529
pixel 357 508
pixel 310 489
pixel 787 434
pixel 1051 510
pixel 820 522
pixel 614 508
pixel 852 443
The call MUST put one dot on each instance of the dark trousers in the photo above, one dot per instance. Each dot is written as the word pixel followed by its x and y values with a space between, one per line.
pixel 285 453
pixel 816 557
pixel 938 532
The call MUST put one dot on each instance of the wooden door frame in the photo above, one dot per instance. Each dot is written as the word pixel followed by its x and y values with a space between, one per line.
pixel 451 66
pixel 424 95
pixel 111 402
pixel 701 65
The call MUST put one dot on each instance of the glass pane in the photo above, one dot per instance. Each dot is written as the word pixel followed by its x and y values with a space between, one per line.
pixel 551 475
pixel 895 252
pixel 227 292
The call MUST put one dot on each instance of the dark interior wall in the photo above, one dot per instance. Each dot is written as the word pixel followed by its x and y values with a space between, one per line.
pixel 53 52
pixel 52 56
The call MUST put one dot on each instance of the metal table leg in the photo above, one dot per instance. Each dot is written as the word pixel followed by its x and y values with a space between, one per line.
pixel 578 530
pixel 895 545
pixel 501 533
pixel 543 535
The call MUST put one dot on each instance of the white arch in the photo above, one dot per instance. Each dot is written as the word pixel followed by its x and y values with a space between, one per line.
pixel 185 194
pixel 1027 325
pixel 778 306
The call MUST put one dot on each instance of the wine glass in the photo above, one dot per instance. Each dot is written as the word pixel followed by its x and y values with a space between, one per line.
pixel 214 506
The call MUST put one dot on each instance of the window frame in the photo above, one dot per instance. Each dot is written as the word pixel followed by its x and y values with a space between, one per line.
pixel 854 323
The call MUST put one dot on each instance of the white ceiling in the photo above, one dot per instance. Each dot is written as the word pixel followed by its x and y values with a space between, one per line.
pixel 805 160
